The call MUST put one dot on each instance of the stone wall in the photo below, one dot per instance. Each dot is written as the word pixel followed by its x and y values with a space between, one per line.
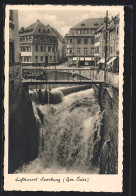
pixel 108 99
pixel 23 131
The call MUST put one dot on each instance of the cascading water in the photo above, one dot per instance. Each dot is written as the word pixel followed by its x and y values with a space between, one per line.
pixel 67 132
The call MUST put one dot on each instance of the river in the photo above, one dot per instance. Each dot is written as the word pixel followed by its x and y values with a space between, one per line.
pixel 66 140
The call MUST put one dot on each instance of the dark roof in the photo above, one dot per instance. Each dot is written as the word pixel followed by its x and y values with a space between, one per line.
pixel 37 28
pixel 89 23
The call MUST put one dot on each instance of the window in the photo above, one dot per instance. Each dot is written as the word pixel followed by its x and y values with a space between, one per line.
pixel 49 49
pixel 36 48
pixel 110 49
pixel 41 59
pixel 78 32
pixel 92 31
pixel 92 41
pixel 48 31
pixel 78 41
pixel 50 39
pixel 41 48
pixel 116 45
pixel 38 30
pixel 92 50
pixel 53 49
pixel 30 59
pixel 97 49
pixel 35 38
pixel 50 58
pixel 85 50
pixel 28 48
pixel 11 52
pixel 36 59
pixel 10 15
pixel 41 39
pixel 70 41
pixel 23 39
pixel 85 41
pixel 54 58
pixel 70 50
pixel 45 39
pixel 85 31
pixel 30 38
pixel 67 41
pixel 117 30
pixel 78 50
pixel 44 48
pixel 26 38
pixel 27 58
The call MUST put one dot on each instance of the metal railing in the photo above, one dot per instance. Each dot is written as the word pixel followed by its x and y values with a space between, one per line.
pixel 34 75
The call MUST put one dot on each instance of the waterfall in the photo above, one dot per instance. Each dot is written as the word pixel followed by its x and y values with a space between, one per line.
pixel 69 131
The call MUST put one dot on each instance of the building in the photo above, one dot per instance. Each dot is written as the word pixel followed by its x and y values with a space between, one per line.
pixel 15 68
pixel 61 46
pixel 80 42
pixel 99 45
pixel 40 44
pixel 112 58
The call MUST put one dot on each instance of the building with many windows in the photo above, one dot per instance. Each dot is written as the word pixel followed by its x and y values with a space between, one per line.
pixel 40 44
pixel 112 60
pixel 80 42
pixel 15 68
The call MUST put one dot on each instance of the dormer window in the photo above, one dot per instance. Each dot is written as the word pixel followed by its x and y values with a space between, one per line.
pixel 38 30
pixel 48 31
pixel 96 24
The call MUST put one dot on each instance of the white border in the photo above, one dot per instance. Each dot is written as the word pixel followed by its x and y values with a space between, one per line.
pixel 97 183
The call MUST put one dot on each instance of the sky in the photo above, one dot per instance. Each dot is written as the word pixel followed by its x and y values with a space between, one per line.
pixel 62 19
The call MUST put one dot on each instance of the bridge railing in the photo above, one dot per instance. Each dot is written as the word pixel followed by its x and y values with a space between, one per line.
pixel 62 74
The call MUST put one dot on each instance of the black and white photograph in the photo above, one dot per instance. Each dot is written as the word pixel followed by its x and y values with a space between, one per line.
pixel 63 98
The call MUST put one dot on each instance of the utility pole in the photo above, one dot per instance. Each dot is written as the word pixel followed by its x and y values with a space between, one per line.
pixel 106 25
pixel 55 59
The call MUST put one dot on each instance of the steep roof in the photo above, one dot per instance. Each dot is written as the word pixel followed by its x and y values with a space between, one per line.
pixel 37 28
pixel 89 23
pixel 58 34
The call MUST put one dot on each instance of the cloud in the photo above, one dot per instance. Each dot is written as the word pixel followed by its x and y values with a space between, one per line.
pixel 62 21
pixel 26 20
pixel 64 30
